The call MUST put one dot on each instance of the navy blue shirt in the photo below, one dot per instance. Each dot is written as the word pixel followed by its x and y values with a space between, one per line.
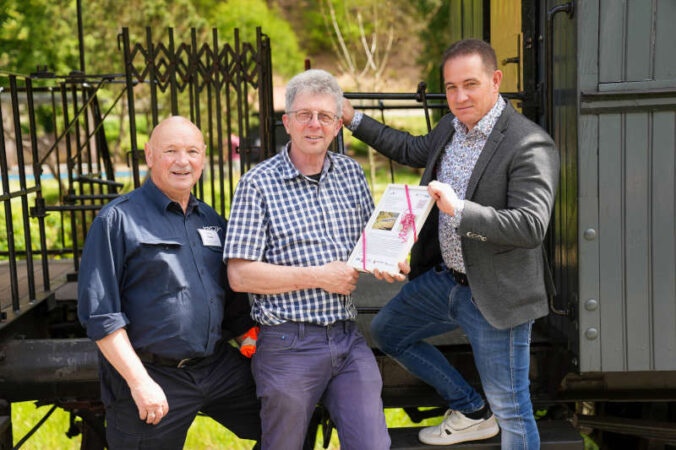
pixel 146 267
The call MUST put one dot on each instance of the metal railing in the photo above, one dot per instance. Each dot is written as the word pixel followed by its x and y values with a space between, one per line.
pixel 57 121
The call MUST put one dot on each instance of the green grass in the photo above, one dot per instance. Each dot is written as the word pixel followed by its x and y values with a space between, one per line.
pixel 204 434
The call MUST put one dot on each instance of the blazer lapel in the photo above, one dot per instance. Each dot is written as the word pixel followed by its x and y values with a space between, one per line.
pixel 429 173
pixel 489 150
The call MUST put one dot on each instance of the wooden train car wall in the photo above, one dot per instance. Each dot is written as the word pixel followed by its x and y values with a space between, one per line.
pixel 626 172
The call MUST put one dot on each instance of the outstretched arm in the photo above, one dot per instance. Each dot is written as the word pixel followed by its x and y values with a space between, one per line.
pixel 398 145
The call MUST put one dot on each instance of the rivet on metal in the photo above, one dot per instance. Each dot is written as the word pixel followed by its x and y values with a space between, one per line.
pixel 590 234
pixel 591 333
pixel 591 305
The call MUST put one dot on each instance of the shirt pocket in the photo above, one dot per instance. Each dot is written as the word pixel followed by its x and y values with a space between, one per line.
pixel 161 262
pixel 213 260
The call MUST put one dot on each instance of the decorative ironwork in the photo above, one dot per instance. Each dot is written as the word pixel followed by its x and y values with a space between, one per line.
pixel 213 84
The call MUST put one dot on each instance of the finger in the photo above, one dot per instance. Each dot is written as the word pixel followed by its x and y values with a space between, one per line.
pixel 150 418
pixel 404 267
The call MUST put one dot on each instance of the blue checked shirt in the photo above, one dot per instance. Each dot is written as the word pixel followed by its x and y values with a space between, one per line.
pixel 279 216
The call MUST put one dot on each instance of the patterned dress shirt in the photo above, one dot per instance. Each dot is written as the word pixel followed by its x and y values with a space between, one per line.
pixel 283 217
pixel 456 167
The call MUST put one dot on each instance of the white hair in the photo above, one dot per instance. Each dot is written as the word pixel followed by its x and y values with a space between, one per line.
pixel 315 81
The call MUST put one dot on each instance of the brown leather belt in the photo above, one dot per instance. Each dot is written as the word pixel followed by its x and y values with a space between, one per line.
pixel 151 358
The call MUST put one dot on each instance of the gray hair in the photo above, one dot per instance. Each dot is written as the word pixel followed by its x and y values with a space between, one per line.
pixel 315 81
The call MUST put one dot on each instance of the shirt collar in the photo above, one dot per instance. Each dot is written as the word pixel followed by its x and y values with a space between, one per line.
pixel 162 202
pixel 487 122
pixel 289 170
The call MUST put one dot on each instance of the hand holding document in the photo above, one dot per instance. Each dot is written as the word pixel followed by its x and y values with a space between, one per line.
pixel 392 229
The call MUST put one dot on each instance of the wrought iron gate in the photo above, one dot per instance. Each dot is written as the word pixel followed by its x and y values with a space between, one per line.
pixel 214 80
pixel 224 87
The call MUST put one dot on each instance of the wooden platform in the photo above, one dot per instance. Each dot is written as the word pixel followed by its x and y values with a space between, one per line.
pixel 58 271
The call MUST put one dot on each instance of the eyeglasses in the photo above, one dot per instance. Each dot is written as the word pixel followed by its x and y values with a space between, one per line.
pixel 305 116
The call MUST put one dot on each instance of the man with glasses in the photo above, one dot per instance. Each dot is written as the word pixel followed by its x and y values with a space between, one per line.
pixel 294 221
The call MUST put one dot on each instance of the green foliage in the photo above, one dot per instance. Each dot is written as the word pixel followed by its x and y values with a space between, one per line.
pixel 42 32
pixel 30 31
pixel 102 28
pixel 363 35
pixel 447 21
pixel 249 14
pixel 436 37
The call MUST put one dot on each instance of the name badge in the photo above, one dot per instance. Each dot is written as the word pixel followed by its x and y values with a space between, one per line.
pixel 210 237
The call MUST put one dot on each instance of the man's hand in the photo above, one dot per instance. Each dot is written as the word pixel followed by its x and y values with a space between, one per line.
pixel 348 112
pixel 247 342
pixel 147 394
pixel 390 278
pixel 444 195
pixel 150 400
pixel 337 278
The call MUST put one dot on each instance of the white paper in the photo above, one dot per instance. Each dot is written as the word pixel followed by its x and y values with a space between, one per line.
pixel 385 244
pixel 209 237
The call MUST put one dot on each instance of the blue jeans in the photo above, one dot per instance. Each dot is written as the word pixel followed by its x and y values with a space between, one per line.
pixel 433 304
pixel 296 365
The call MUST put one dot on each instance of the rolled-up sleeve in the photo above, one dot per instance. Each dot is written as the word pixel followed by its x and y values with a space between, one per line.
pixel 247 227
pixel 99 303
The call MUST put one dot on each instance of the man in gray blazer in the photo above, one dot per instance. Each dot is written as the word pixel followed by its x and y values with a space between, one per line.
pixel 479 263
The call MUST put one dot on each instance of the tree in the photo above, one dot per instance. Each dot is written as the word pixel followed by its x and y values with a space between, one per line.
pixel 29 30
pixel 363 34
pixel 249 14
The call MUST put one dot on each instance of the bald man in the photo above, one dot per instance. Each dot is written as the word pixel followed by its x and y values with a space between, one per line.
pixel 153 295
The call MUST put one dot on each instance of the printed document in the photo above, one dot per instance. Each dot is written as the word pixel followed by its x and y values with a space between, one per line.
pixel 392 229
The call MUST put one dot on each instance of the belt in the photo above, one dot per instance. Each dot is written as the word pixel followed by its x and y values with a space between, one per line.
pixel 151 358
pixel 459 277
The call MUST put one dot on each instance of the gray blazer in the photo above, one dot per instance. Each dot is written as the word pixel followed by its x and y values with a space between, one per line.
pixel 508 204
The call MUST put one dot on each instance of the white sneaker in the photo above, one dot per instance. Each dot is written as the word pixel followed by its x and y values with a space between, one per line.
pixel 457 428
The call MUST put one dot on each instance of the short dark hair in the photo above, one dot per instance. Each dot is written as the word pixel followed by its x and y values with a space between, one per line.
pixel 473 47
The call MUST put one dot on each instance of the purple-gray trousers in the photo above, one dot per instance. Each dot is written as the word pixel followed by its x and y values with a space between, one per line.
pixel 296 365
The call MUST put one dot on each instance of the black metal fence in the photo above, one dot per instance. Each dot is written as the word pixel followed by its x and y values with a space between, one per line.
pixel 57 169
pixel 215 85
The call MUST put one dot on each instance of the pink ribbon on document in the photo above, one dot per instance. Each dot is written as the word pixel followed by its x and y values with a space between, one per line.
pixel 408 220
pixel 363 249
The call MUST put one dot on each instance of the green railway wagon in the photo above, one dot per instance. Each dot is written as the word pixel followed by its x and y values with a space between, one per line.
pixel 598 75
